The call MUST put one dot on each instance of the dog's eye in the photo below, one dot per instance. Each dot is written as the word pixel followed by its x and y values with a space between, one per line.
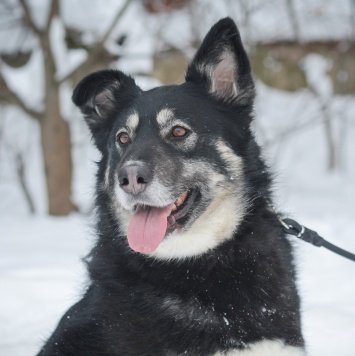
pixel 179 131
pixel 123 138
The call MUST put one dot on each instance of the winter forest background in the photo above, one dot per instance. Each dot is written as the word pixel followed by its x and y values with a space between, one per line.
pixel 303 58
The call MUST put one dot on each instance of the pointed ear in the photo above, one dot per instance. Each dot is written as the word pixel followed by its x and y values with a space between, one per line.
pixel 222 65
pixel 101 96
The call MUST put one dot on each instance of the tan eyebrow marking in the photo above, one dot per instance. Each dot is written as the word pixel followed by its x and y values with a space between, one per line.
pixel 132 122
pixel 164 116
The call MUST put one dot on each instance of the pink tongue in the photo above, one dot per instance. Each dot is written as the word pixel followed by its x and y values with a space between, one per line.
pixel 147 228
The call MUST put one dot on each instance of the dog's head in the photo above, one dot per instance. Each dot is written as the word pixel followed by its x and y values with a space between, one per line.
pixel 173 169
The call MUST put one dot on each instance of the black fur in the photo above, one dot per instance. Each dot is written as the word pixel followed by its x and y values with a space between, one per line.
pixel 241 292
pixel 121 90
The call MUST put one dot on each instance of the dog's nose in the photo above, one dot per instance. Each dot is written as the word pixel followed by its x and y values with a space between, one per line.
pixel 134 178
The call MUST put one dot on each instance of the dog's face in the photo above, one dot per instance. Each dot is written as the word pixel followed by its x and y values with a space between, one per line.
pixel 172 162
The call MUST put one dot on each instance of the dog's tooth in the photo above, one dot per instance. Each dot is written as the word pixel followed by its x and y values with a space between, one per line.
pixel 181 199
pixel 174 208
pixel 171 220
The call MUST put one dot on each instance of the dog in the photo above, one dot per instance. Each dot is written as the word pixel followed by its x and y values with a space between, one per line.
pixel 190 259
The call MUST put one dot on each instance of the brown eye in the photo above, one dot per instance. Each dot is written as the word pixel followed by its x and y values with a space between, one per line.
pixel 178 131
pixel 123 138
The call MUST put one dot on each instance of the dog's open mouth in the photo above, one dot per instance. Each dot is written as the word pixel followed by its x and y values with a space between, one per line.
pixel 181 209
pixel 149 225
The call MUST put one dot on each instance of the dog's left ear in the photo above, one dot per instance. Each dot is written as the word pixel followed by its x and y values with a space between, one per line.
pixel 222 65
pixel 101 96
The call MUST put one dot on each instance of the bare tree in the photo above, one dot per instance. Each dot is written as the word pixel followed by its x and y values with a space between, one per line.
pixel 17 154
pixel 55 130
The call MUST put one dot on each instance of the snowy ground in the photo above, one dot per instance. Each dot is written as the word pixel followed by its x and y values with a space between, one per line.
pixel 326 280
pixel 41 273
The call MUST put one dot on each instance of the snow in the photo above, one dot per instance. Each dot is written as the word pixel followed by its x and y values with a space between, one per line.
pixel 27 81
pixel 315 67
pixel 65 60
pixel 41 273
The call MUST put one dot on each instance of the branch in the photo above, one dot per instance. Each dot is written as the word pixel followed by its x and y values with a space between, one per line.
pixel 20 168
pixel 99 45
pixel 291 131
pixel 28 20
pixel 45 42
pixel 114 22
pixel 53 11
pixel 21 174
pixel 293 17
pixel 9 96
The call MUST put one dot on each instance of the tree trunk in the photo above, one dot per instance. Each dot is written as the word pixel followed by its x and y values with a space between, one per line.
pixel 56 148
pixel 21 174
pixel 331 147
pixel 330 138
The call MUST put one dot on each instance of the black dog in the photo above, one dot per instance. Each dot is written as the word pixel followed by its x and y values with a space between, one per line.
pixel 189 259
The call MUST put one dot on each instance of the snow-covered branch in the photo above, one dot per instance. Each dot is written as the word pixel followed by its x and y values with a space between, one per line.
pixel 10 97
pixel 53 12
pixel 27 18
pixel 99 46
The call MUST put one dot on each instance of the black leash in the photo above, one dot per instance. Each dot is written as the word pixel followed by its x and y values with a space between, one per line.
pixel 292 227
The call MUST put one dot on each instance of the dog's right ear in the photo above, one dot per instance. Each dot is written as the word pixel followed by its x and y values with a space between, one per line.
pixel 222 65
pixel 101 96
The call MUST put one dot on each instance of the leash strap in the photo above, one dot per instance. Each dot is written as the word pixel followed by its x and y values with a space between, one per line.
pixel 292 227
